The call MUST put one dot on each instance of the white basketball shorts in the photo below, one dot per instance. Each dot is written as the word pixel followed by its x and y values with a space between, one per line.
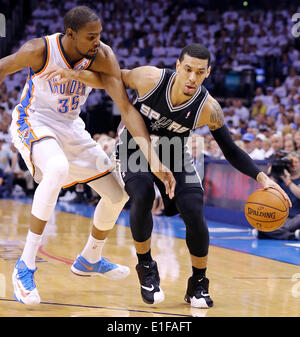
pixel 87 159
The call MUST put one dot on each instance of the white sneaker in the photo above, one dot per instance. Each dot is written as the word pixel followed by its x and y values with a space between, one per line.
pixel 25 290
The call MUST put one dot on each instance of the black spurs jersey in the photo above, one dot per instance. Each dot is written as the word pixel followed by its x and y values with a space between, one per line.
pixel 171 125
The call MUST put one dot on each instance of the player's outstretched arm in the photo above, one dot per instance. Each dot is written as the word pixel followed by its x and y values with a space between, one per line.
pixel 31 54
pixel 234 154
pixel 64 75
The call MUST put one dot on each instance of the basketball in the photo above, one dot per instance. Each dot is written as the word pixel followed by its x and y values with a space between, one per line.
pixel 266 210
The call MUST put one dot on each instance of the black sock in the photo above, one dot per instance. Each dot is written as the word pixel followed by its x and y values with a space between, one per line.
pixel 145 257
pixel 199 272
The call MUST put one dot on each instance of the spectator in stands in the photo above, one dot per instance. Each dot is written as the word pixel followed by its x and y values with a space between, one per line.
pixel 270 123
pixel 293 53
pixel 13 98
pixel 297 122
pixel 268 100
pixel 240 110
pixel 230 118
pixel 282 118
pixel 259 143
pixel 258 108
pixel 240 144
pixel 42 11
pixel 280 89
pixel 259 94
pixel 4 133
pixel 5 166
pixel 4 102
pixel 260 121
pixel 267 146
pixel 250 147
pixel 10 82
pixel 243 126
pixel 22 179
pixel 284 65
pixel 296 64
pixel 293 96
pixel 273 108
pixel 290 145
pixel 196 147
pixel 214 150
pixel 276 142
pixel 290 79
pixel 287 132
pixel 297 139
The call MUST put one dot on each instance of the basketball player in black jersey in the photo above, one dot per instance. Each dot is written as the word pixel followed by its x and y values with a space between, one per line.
pixel 173 104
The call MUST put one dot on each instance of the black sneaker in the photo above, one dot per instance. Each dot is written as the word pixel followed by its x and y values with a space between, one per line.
pixel 149 280
pixel 197 293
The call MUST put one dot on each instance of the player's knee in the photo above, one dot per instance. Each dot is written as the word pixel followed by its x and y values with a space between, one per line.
pixel 58 169
pixel 119 198
pixel 141 192
pixel 190 203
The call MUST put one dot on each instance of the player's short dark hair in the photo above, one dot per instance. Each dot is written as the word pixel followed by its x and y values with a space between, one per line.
pixel 196 50
pixel 78 16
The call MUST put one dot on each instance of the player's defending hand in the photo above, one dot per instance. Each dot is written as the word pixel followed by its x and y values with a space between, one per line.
pixel 61 75
pixel 166 176
pixel 267 182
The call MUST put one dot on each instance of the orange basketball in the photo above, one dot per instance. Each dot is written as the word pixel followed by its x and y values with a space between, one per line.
pixel 266 210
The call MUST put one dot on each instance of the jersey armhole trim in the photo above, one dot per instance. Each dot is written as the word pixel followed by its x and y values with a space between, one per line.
pixel 88 66
pixel 149 93
pixel 46 61
pixel 199 110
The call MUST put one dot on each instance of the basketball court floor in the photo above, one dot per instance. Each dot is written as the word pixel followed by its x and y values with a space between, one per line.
pixel 248 277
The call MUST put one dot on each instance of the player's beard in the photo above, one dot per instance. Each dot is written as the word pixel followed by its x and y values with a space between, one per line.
pixel 187 94
pixel 87 56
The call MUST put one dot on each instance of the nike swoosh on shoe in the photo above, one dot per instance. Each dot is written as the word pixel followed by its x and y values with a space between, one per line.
pixel 148 288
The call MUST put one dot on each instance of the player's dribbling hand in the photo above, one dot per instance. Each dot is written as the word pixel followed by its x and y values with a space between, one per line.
pixel 266 182
pixel 60 74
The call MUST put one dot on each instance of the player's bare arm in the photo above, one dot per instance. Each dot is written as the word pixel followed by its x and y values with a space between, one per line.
pixel 63 75
pixel 212 115
pixel 31 54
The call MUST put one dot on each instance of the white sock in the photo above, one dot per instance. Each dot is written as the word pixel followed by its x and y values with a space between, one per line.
pixel 33 241
pixel 92 251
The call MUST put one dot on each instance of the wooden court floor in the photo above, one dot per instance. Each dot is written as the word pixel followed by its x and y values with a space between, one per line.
pixel 241 285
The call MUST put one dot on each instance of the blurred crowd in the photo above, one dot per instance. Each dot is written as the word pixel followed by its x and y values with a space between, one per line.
pixel 154 32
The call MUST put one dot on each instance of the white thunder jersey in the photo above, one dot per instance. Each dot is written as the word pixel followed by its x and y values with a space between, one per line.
pixel 44 98
pixel 48 110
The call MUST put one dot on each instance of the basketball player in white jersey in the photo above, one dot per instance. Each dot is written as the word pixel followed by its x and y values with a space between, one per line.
pixel 47 131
